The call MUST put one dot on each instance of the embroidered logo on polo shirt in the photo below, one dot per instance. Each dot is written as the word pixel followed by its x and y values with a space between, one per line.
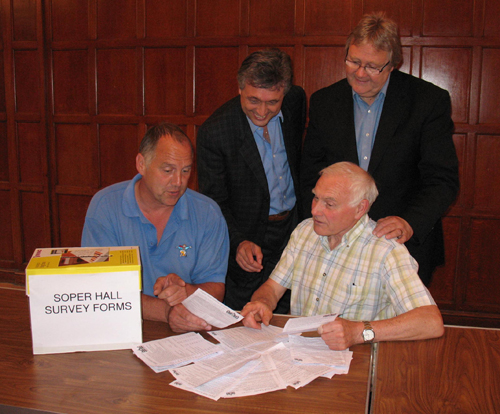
pixel 183 250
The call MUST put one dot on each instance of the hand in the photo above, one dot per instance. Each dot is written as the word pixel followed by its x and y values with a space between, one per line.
pixel 170 288
pixel 249 256
pixel 181 320
pixel 393 227
pixel 255 312
pixel 341 333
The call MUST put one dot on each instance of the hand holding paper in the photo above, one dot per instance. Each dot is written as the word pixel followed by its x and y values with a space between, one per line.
pixel 205 306
pixel 307 324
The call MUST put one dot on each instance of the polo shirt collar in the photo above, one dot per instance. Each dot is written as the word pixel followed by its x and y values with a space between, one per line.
pixel 131 207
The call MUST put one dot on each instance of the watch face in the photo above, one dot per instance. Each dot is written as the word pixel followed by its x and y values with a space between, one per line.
pixel 368 335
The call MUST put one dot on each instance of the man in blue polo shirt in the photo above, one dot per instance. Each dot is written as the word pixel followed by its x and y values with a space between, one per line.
pixel 182 235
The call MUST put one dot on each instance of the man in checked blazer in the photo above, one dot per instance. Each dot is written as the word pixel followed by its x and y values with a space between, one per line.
pixel 248 155
pixel 399 129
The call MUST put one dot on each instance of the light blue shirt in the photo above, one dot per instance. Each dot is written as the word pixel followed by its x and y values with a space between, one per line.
pixel 366 120
pixel 275 161
pixel 194 244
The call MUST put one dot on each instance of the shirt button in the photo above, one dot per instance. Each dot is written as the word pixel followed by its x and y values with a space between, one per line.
pixel 324 274
pixel 281 178
pixel 365 158
pixel 317 299
pixel 369 111
pixel 367 134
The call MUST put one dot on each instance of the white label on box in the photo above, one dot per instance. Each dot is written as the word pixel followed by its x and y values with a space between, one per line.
pixel 85 312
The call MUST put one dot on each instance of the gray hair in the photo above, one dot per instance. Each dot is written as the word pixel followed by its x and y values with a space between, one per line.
pixel 153 135
pixel 362 185
pixel 267 69
pixel 379 31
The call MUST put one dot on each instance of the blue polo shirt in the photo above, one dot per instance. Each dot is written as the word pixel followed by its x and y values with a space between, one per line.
pixel 194 244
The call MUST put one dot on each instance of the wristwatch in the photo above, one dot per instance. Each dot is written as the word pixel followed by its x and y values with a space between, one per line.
pixel 368 333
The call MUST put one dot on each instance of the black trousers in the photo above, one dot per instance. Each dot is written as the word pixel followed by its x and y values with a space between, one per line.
pixel 240 285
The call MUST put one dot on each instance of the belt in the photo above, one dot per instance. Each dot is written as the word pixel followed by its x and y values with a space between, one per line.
pixel 280 216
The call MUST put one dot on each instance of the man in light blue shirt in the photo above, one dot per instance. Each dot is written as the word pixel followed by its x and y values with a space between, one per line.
pixel 248 157
pixel 182 234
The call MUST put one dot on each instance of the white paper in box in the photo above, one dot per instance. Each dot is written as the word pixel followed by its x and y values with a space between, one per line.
pixel 84 299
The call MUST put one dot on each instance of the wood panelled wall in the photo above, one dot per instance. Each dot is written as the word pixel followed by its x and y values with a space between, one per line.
pixel 81 80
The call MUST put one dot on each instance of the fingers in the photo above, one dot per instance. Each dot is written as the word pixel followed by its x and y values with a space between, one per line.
pixel 249 256
pixel 165 281
pixel 181 320
pixel 253 312
pixel 393 227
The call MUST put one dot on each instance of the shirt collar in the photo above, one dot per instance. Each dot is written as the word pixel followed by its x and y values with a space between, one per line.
pixel 131 207
pixel 350 236
pixel 381 94
pixel 254 127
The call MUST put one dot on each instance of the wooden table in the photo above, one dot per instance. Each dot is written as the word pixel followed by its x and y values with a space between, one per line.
pixel 118 382
pixel 458 373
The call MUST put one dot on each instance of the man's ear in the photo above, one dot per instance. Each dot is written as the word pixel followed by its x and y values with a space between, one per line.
pixel 362 208
pixel 140 163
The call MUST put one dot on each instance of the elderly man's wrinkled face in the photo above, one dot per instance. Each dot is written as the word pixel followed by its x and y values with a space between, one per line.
pixel 260 104
pixel 332 214
pixel 165 177
pixel 365 85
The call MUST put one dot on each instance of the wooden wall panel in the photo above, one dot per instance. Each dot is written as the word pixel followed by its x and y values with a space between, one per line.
pixel 443 285
pixel 483 288
pixel 487 177
pixel 272 17
pixel 35 223
pixel 217 17
pixel 398 10
pixel 492 11
pixel 27 81
pixel 24 18
pixel 2 86
pixel 120 144
pixel 215 71
pixel 323 66
pixel 166 18
pixel 490 86
pixel 31 163
pixel 456 79
pixel 71 82
pixel 448 17
pixel 117 81
pixel 460 141
pixel 71 218
pixel 76 156
pixel 6 245
pixel 327 17
pixel 4 153
pixel 165 81
pixel 70 20
pixel 116 19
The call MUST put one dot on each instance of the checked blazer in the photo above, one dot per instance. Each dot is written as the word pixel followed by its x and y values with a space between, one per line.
pixel 230 170
pixel 413 159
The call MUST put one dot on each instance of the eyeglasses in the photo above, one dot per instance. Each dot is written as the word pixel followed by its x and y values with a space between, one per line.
pixel 368 69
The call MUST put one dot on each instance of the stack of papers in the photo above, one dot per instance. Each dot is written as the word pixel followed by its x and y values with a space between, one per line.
pixel 246 361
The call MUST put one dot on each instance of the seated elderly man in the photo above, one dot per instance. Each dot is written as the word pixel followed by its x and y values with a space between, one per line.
pixel 182 235
pixel 334 264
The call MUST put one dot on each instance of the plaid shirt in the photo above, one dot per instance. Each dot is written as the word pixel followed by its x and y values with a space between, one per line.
pixel 363 278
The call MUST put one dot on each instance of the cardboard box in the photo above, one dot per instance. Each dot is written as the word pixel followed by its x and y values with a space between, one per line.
pixel 84 299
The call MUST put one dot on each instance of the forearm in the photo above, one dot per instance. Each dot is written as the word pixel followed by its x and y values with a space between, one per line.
pixel 269 294
pixel 421 323
pixel 154 309
pixel 217 290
